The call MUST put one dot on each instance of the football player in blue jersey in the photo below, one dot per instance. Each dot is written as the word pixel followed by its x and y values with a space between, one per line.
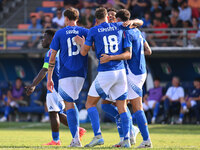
pixel 110 107
pixel 136 75
pixel 73 69
pixel 55 104
pixel 111 82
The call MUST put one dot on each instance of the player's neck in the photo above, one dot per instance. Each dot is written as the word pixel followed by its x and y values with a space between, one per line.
pixel 71 23
pixel 102 21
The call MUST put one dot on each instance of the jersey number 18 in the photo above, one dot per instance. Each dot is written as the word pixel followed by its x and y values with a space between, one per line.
pixel 110 44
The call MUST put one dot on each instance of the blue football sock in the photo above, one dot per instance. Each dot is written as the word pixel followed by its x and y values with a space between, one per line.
pixel 183 104
pixel 94 118
pixel 73 122
pixel 156 110
pixel 77 113
pixel 55 136
pixel 125 125
pixel 112 110
pixel 181 115
pixel 46 114
pixel 132 132
pixel 134 119
pixel 7 111
pixel 142 124
pixel 119 126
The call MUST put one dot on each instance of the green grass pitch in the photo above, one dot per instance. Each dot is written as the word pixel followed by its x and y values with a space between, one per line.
pixel 32 135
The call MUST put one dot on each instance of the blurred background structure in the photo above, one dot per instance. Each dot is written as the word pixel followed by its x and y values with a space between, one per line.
pixel 172 28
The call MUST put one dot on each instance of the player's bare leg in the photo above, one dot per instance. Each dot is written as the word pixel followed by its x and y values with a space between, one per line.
pixel 55 124
pixel 94 117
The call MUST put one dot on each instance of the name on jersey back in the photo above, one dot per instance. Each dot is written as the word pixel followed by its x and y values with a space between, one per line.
pixel 72 32
pixel 108 29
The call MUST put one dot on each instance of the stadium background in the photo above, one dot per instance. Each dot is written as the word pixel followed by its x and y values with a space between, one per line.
pixel 175 46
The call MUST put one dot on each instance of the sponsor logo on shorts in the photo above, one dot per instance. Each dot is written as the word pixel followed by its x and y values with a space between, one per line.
pixel 50 107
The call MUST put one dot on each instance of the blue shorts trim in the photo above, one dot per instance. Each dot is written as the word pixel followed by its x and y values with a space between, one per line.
pixel 100 91
pixel 123 96
pixel 64 95
pixel 136 89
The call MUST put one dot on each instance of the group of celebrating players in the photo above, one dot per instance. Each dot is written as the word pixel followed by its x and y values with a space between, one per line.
pixel 120 49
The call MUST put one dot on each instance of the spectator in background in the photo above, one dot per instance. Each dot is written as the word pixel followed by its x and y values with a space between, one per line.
pixel 57 7
pixel 87 19
pixel 41 18
pixel 59 20
pixel 166 7
pixel 175 13
pixel 185 12
pixel 157 24
pixel 138 8
pixel 176 3
pixel 193 99
pixel 152 99
pixel 122 4
pixel 174 33
pixel 158 15
pixel 147 20
pixel 48 22
pixel 109 4
pixel 191 33
pixel 155 6
pixel 34 40
pixel 174 100
pixel 72 3
pixel 196 25
pixel 14 98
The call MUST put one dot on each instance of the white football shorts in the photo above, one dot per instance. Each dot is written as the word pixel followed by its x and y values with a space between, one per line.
pixel 135 84
pixel 150 105
pixel 110 85
pixel 70 87
pixel 54 102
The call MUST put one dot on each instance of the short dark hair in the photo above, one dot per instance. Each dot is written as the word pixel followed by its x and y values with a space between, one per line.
pixel 156 79
pixel 123 14
pixel 50 32
pixel 157 11
pixel 59 9
pixel 197 79
pixel 100 13
pixel 71 13
pixel 18 78
pixel 175 9
pixel 33 16
pixel 112 9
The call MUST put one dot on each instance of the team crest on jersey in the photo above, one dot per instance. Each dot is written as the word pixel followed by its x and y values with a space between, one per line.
pixel 196 67
pixel 20 71
pixel 166 68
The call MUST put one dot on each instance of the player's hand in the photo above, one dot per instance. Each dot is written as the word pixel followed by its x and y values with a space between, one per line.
pixel 127 23
pixel 50 85
pixel 104 58
pixel 29 89
pixel 79 40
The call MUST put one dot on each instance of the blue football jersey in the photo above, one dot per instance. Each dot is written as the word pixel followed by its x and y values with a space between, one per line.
pixel 107 38
pixel 55 75
pixel 72 63
pixel 133 38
